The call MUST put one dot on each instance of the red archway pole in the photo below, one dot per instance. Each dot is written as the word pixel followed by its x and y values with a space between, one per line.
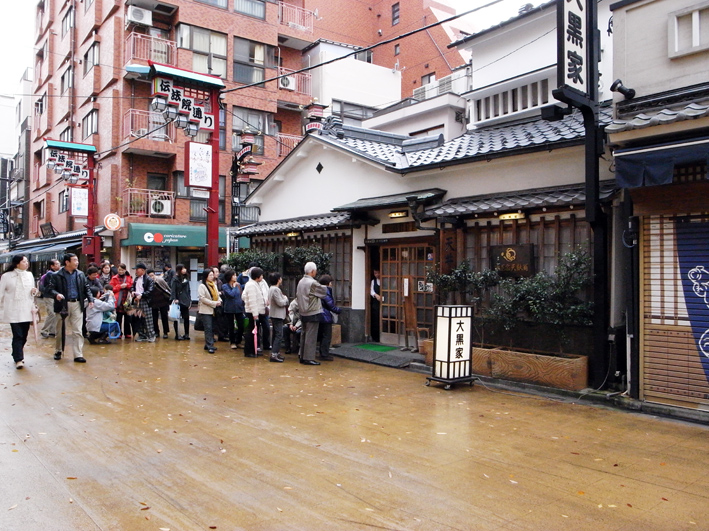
pixel 212 245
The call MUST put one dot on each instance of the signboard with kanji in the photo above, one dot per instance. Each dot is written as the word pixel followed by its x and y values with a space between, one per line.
pixel 452 351
pixel 198 165
pixel 574 40
pixel 79 202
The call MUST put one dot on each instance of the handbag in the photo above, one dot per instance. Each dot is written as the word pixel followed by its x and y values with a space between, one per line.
pixel 174 313
pixel 199 323
pixel 127 302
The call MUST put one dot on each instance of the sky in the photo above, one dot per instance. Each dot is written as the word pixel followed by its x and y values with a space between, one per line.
pixel 17 32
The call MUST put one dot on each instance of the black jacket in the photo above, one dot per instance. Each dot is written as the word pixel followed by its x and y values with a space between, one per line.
pixel 148 287
pixel 181 290
pixel 58 285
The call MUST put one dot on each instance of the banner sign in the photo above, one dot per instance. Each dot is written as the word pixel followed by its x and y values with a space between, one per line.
pixel 198 165
pixel 694 266
pixel 79 202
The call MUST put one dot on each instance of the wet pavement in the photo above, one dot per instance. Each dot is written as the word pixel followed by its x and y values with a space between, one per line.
pixel 166 436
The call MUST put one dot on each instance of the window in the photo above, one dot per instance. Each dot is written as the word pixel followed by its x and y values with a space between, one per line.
pixel 63 201
pixel 689 30
pixel 91 57
pixel 395 14
pixel 67 80
pixel 209 49
pixel 89 125
pixel 251 60
pixel 351 113
pixel 198 206
pixel 428 78
pixel 364 56
pixel 254 120
pixel 397 49
pixel 39 209
pixel 157 181
pixel 40 105
pixel 68 21
pixel 215 3
pixel 66 135
pixel 253 8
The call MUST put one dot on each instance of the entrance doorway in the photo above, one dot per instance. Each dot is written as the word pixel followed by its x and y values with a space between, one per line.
pixel 398 262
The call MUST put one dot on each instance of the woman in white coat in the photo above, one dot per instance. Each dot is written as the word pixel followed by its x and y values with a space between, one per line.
pixel 209 299
pixel 17 291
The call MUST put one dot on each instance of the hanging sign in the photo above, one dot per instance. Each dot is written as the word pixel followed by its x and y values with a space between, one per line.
pixel 198 165
pixel 79 202
pixel 574 34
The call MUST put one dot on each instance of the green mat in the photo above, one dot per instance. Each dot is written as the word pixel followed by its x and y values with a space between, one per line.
pixel 376 348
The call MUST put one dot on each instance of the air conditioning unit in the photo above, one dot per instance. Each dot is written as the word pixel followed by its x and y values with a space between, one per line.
pixel 287 82
pixel 160 207
pixel 138 15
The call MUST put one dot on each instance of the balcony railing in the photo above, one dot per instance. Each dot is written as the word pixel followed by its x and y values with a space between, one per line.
pixel 286 143
pixel 296 17
pixel 300 83
pixel 138 123
pixel 149 48
pixel 148 203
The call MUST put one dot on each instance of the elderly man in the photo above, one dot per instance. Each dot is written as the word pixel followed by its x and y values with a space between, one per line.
pixel 70 291
pixel 310 294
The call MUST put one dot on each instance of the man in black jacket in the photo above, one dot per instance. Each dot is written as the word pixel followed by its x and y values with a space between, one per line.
pixel 143 287
pixel 70 290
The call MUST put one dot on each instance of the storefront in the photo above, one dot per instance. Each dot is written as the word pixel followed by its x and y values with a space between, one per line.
pixel 157 244
pixel 668 186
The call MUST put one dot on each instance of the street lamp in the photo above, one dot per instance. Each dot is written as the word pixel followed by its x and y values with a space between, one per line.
pixel 159 104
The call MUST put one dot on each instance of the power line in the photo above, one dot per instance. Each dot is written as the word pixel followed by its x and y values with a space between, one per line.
pixel 366 49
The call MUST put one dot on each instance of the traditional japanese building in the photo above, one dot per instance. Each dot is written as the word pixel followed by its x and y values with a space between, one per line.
pixel 661 153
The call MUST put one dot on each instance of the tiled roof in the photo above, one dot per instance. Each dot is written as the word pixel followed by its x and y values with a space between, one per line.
pixel 661 117
pixel 322 221
pixel 369 203
pixel 512 201
pixel 483 143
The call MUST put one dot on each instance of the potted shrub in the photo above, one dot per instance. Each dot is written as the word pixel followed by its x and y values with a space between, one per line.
pixel 546 311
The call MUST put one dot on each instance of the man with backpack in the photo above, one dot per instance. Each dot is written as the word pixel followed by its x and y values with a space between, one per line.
pixel 49 329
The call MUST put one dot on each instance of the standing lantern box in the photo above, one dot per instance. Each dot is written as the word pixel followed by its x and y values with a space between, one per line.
pixel 452 346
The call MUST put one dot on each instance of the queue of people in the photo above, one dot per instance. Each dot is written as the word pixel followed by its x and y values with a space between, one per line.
pixel 107 303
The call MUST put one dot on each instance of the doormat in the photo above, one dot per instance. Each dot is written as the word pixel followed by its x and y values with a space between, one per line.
pixel 375 347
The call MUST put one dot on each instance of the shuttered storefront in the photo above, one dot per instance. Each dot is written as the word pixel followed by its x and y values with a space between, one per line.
pixel 675 310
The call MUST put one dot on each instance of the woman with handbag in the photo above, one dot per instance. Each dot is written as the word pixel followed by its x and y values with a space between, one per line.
pixel 17 291
pixel 180 287
pixel 122 283
pixel 209 301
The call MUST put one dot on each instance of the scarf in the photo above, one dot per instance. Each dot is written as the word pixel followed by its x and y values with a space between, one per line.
pixel 211 286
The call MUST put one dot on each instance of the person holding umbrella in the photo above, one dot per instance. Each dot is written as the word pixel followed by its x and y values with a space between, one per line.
pixel 70 290
pixel 17 292
pixel 254 306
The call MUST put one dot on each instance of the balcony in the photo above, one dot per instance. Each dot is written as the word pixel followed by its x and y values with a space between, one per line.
pixel 298 83
pixel 150 134
pixel 296 17
pixel 146 48
pixel 286 143
pixel 457 83
pixel 148 203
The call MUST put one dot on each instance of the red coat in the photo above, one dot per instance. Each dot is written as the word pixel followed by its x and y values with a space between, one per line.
pixel 119 293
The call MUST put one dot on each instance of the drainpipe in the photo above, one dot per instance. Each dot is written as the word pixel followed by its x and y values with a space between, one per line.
pixel 414 204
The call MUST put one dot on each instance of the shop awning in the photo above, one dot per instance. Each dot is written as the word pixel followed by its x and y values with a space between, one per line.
pixel 392 201
pixel 654 165
pixel 53 251
pixel 26 251
pixel 320 222
pixel 163 235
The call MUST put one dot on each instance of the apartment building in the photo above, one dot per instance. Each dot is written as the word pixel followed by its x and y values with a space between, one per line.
pixel 86 91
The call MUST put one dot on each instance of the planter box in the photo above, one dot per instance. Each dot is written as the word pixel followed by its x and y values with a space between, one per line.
pixel 567 371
